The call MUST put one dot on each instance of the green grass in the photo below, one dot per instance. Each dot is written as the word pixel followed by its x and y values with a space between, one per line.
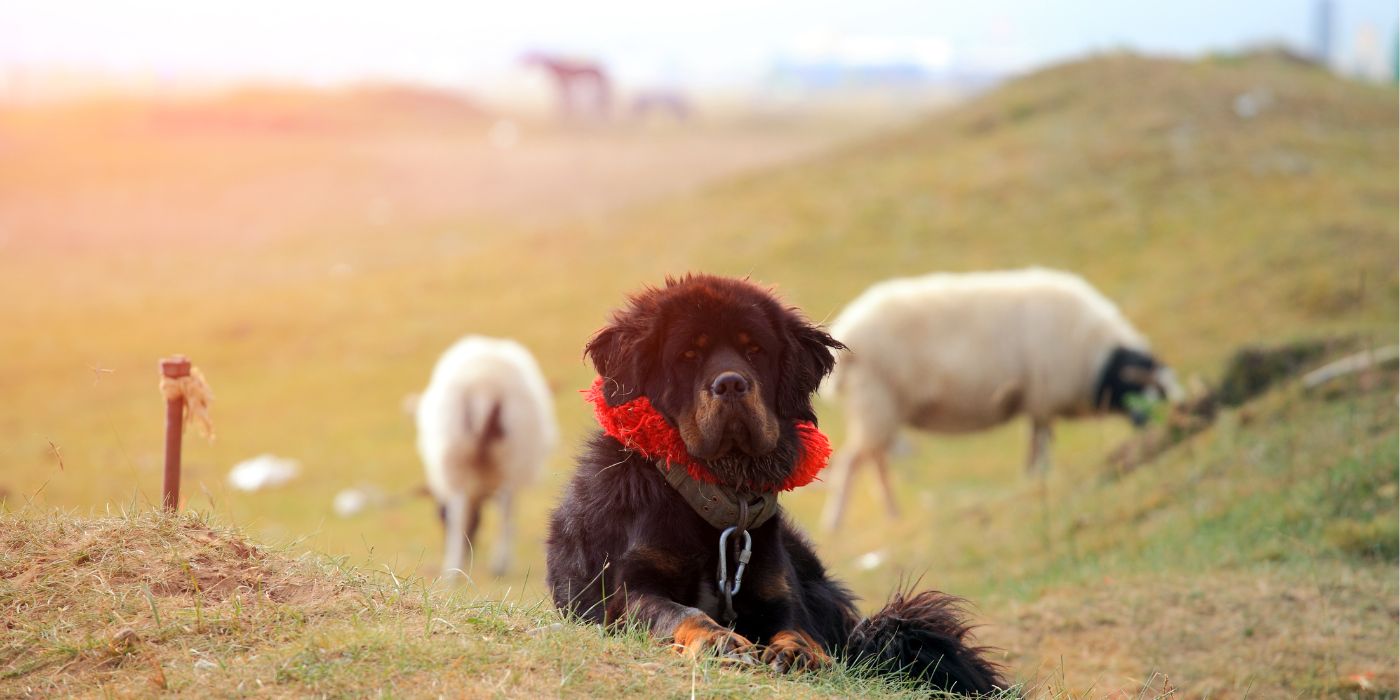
pixel 1209 230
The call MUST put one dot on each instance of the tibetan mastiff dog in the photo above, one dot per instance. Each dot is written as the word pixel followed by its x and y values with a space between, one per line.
pixel 671 521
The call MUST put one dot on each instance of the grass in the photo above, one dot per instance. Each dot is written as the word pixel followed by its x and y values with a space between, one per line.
pixel 1256 558
pixel 137 603
pixel 1260 555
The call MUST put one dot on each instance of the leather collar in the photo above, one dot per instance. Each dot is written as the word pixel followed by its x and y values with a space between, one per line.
pixel 719 505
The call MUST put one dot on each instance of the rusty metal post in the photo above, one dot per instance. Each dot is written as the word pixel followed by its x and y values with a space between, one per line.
pixel 173 368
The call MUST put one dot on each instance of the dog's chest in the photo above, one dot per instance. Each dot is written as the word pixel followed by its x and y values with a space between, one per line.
pixel 707 599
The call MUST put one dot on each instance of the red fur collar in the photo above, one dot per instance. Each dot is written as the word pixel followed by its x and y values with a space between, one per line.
pixel 640 427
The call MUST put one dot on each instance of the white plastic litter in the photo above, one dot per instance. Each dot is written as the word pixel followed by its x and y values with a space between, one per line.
pixel 870 560
pixel 263 472
pixel 1251 104
pixel 350 502
pixel 358 499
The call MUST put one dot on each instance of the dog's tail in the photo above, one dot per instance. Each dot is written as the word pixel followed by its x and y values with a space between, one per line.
pixel 924 635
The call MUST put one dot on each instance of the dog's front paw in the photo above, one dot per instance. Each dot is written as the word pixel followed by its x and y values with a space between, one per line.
pixel 794 651
pixel 699 634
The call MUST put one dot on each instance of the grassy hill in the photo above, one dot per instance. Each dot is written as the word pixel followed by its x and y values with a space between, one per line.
pixel 1221 202
pixel 139 604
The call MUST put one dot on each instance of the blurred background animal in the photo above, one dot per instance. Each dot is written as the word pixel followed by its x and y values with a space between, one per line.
pixel 583 87
pixel 485 428
pixel 953 353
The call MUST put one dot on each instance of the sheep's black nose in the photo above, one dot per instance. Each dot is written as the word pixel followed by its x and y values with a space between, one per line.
pixel 729 385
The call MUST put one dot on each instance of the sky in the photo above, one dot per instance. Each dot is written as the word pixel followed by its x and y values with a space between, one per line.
pixel 716 42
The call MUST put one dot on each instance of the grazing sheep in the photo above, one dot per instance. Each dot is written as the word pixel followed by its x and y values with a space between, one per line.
pixel 958 353
pixel 485 426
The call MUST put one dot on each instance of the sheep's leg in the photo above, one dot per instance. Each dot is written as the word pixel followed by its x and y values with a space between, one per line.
pixel 882 469
pixel 500 558
pixel 842 471
pixel 1038 461
pixel 456 542
pixel 473 518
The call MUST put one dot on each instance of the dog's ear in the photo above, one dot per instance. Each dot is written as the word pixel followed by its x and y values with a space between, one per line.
pixel 619 352
pixel 806 360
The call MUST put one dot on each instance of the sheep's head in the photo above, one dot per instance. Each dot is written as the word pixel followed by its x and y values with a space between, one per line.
pixel 1132 381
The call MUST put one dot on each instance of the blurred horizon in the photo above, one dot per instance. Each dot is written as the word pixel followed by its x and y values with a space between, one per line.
pixel 63 49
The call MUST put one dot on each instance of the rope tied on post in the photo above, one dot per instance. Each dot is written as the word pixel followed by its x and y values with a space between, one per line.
pixel 187 398
pixel 196 395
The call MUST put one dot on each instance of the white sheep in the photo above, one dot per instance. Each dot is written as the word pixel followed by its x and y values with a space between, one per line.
pixel 954 353
pixel 485 428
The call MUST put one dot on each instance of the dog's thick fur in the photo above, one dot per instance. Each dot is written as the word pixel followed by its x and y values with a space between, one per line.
pixel 624 547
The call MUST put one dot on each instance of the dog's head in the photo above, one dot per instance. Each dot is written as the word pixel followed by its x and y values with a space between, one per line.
pixel 723 361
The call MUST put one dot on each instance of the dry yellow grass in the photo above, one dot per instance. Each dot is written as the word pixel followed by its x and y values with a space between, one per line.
pixel 140 605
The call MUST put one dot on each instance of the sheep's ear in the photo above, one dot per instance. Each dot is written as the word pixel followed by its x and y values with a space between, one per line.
pixel 806 360
pixel 620 358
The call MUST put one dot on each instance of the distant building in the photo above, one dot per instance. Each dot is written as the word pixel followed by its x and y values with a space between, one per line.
pixel 1395 56
pixel 823 75
pixel 1322 32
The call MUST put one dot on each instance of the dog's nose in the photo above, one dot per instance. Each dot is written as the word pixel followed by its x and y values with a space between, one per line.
pixel 729 385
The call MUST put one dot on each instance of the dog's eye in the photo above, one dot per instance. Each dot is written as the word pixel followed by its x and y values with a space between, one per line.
pixel 754 350
pixel 689 355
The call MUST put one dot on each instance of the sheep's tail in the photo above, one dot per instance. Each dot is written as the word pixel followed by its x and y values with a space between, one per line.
pixel 924 635
pixel 482 424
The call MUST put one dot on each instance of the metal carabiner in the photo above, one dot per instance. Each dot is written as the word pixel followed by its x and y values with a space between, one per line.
pixel 725 589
